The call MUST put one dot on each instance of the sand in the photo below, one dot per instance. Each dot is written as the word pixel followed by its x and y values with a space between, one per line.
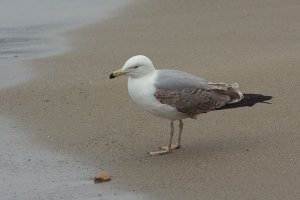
pixel 74 122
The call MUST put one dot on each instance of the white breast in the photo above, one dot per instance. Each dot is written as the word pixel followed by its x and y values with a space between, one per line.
pixel 142 90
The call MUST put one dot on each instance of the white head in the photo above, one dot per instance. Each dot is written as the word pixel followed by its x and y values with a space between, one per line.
pixel 135 67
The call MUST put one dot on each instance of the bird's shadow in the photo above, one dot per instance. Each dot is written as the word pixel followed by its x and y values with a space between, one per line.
pixel 249 100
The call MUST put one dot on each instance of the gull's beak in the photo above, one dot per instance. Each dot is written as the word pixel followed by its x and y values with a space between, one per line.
pixel 117 73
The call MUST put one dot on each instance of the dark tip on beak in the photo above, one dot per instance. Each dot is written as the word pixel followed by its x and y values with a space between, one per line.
pixel 111 76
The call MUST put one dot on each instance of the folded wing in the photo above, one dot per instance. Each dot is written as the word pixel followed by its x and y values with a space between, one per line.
pixel 192 95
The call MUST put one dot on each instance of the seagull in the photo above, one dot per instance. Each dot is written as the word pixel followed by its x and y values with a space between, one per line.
pixel 173 95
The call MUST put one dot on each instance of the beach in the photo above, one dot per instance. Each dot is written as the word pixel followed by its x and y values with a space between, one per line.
pixel 71 121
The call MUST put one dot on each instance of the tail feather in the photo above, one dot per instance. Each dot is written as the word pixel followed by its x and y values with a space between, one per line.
pixel 248 100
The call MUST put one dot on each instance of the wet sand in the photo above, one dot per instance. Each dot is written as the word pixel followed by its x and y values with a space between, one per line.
pixel 80 122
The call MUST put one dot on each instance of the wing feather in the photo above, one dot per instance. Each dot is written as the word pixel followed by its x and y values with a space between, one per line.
pixel 193 95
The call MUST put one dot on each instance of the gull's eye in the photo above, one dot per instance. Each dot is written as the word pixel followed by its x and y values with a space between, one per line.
pixel 136 67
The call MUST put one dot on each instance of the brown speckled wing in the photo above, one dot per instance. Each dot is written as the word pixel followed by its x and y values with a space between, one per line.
pixel 189 101
pixel 192 95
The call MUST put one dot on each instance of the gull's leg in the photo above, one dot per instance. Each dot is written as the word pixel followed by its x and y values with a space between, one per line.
pixel 177 145
pixel 168 149
pixel 180 132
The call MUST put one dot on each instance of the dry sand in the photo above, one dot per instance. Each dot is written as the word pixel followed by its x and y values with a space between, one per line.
pixel 74 111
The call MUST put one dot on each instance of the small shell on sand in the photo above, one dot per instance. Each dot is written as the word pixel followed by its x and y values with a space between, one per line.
pixel 102 177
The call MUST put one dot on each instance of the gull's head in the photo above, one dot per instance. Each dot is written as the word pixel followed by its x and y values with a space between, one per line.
pixel 135 67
